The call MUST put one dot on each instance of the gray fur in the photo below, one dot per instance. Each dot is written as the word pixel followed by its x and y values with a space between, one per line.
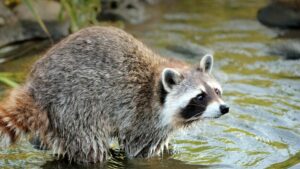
pixel 100 83
pixel 92 87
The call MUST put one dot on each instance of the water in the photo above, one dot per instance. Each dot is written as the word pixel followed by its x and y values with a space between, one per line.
pixel 262 129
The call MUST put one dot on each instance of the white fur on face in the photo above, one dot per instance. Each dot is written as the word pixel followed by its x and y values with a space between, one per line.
pixel 201 88
pixel 174 104
pixel 215 85
pixel 212 111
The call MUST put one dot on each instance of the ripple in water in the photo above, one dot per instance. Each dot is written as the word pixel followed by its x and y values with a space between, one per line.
pixel 262 130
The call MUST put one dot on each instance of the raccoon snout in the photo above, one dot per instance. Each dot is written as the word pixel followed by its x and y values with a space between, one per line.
pixel 224 109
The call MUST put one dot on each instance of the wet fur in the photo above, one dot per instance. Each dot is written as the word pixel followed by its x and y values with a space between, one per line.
pixel 96 84
pixel 101 83
pixel 20 114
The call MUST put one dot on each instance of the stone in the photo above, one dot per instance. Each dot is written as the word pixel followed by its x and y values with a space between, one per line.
pixel 20 25
pixel 132 11
pixel 288 49
pixel 2 21
pixel 281 14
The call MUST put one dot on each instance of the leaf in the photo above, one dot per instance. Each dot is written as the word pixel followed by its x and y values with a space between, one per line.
pixel 8 82
pixel 72 14
pixel 29 4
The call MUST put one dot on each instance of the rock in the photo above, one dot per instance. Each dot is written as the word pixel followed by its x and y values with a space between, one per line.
pixel 26 30
pixel 132 11
pixel 281 13
pixel 20 25
pixel 151 2
pixel 15 39
pixel 47 10
pixel 288 49
pixel 6 15
pixel 2 21
pixel 284 14
pixel 292 4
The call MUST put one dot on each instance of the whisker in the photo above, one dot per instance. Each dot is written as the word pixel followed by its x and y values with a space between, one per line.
pixel 195 117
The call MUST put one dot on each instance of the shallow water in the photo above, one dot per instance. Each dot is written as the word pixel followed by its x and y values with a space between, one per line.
pixel 263 127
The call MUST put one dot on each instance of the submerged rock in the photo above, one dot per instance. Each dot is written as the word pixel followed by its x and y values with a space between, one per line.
pixel 288 49
pixel 283 14
pixel 188 50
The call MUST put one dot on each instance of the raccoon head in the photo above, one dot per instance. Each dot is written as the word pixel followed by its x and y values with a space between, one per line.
pixel 191 95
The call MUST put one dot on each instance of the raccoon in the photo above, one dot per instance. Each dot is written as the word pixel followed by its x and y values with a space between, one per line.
pixel 102 83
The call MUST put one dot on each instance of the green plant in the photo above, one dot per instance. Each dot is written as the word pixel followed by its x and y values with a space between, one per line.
pixel 81 12
pixel 29 4
pixel 5 79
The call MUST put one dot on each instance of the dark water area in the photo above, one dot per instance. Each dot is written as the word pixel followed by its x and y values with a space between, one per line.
pixel 262 129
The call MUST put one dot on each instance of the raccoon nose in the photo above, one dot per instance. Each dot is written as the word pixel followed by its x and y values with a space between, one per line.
pixel 224 109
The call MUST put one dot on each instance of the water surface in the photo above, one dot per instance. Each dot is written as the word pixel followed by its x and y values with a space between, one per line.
pixel 263 127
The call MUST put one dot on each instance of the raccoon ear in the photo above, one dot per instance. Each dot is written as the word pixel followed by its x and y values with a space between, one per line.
pixel 206 63
pixel 170 78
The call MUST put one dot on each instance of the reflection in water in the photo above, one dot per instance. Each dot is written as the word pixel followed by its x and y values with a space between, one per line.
pixel 263 128
pixel 154 163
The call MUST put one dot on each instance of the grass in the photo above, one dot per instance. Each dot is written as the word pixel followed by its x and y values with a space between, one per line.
pixel 6 80
pixel 29 4
pixel 81 13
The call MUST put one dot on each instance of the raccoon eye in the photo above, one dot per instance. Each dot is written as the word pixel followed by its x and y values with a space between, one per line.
pixel 217 91
pixel 200 97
